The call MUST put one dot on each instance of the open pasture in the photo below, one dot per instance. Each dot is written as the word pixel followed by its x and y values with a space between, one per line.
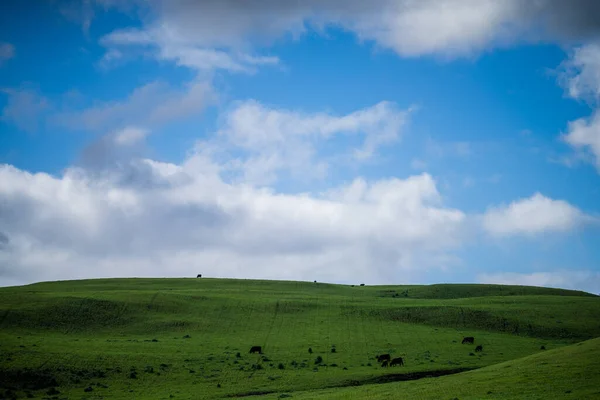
pixel 190 338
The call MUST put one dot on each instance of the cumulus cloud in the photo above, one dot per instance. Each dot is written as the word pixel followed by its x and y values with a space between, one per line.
pixel 122 214
pixel 274 140
pixel 219 33
pixel 581 77
pixel 114 149
pixel 572 279
pixel 580 74
pixel 153 218
pixel 533 215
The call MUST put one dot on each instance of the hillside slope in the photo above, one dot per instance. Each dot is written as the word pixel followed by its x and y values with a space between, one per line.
pixel 571 372
pixel 190 338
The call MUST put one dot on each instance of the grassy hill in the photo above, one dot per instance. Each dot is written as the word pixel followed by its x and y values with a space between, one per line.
pixel 571 372
pixel 189 338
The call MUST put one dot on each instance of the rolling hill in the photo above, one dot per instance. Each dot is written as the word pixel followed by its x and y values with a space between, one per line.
pixel 190 338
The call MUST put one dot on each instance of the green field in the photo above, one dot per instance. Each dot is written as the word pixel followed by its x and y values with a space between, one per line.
pixel 180 338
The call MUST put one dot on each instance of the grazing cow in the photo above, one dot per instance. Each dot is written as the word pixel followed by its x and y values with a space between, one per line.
pixel 479 348
pixel 310 350
pixel 199 276
pixel 256 349
pixel 468 339
pixel 385 364
pixel 396 361
pixel 383 357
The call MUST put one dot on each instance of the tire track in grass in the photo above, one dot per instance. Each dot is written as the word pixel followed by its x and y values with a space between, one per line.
pixel 278 349
pixel 389 341
pixel 300 326
pixel 257 333
pixel 267 336
pixel 227 371
pixel 71 327
pixel 364 348
pixel 293 326
pixel 203 314
pixel 152 299
pixel 327 329
pixel 348 323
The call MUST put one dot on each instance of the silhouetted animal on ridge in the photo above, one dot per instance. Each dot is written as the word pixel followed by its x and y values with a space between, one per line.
pixel 468 339
pixel 199 276
pixel 383 357
pixel 256 349
pixel 396 361
pixel 479 348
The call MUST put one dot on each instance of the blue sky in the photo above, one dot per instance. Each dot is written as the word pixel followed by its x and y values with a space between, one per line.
pixel 395 141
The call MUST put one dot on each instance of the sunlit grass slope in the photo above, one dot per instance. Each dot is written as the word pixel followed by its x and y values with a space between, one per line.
pixel 571 372
pixel 157 338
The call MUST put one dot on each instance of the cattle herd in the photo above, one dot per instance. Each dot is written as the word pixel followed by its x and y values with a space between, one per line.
pixel 386 360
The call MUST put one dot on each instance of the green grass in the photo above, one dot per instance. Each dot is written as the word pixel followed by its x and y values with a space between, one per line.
pixel 95 333
pixel 571 372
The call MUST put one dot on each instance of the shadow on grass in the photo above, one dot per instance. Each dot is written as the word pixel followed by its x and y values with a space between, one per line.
pixel 388 378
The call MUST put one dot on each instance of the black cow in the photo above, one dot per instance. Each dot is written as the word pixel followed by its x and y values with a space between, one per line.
pixel 479 348
pixel 199 276
pixel 543 348
pixel 396 361
pixel 256 349
pixel 385 363
pixel 468 339
pixel 383 357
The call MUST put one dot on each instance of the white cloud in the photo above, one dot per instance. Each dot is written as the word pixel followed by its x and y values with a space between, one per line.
pixel 220 33
pixel 275 140
pixel 160 219
pixel 584 135
pixel 130 136
pixel 147 106
pixel 580 74
pixel 183 51
pixel 533 215
pixel 581 77
pixel 572 279
pixel 7 51
pixel 117 148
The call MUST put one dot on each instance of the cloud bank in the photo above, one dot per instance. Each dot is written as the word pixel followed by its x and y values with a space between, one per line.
pixel 217 212
pixel 534 215
pixel 222 33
